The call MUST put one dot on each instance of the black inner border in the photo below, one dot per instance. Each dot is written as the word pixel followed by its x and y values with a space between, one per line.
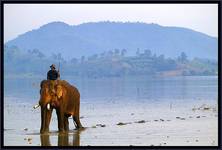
pixel 111 2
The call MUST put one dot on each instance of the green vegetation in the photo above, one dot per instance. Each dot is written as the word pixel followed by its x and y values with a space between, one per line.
pixel 110 63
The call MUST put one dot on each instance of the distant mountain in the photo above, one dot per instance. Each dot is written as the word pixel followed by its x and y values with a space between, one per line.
pixel 91 38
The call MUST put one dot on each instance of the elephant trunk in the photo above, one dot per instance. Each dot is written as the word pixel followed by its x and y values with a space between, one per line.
pixel 46 114
pixel 42 130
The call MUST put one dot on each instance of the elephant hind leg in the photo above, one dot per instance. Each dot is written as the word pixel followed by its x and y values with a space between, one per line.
pixel 66 123
pixel 77 121
pixel 74 123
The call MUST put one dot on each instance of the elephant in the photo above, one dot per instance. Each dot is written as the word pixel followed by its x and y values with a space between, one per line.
pixel 65 99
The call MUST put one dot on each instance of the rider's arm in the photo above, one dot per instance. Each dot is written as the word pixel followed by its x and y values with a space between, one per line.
pixel 48 75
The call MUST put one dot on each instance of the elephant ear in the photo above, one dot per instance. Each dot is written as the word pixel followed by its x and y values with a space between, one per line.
pixel 59 91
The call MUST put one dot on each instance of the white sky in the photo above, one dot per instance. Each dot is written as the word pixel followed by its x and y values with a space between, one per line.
pixel 20 18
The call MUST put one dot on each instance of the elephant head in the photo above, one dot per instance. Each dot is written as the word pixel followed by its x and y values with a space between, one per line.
pixel 49 99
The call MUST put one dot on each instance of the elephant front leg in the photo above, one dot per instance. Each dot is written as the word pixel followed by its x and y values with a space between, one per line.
pixel 61 119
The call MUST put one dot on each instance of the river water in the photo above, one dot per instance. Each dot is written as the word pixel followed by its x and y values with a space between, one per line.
pixel 103 101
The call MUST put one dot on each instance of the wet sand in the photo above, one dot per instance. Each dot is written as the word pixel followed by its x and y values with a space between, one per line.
pixel 117 124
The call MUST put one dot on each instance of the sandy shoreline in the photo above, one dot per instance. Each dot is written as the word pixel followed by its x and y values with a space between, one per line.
pixel 117 125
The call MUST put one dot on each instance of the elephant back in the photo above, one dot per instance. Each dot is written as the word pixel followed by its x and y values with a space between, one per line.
pixel 63 83
pixel 71 88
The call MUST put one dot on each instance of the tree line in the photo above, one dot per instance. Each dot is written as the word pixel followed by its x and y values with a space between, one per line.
pixel 114 62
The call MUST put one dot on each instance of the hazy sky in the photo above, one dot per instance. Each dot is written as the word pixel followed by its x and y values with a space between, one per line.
pixel 20 18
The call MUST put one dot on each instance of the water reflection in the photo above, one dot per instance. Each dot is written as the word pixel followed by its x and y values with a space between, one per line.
pixel 44 138
pixel 64 139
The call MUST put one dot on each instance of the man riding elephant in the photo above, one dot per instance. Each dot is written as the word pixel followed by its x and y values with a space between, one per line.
pixel 63 97
pixel 53 75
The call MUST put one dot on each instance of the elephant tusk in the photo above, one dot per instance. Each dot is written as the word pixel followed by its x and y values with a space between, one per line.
pixel 48 106
pixel 36 106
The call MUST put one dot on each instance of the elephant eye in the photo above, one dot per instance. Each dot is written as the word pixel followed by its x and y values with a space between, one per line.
pixel 52 93
pixel 44 91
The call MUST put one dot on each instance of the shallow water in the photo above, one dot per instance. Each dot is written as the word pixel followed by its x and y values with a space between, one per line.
pixel 109 101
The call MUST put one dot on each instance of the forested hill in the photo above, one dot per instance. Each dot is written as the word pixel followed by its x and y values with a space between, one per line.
pixel 95 38
pixel 112 63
